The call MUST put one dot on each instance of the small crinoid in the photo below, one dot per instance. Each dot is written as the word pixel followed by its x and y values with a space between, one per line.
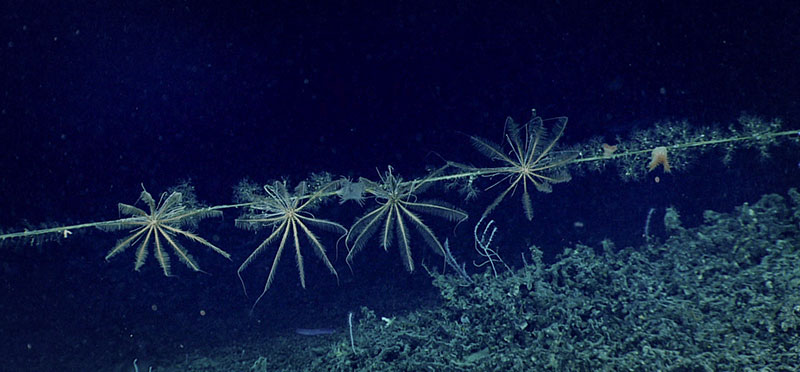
pixel 160 228
pixel 289 216
pixel 531 159
pixel 396 215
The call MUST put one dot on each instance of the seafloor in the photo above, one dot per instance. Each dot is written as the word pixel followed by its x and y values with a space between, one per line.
pixel 721 296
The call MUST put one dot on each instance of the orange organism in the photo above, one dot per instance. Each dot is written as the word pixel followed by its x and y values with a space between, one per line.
pixel 659 157
pixel 608 150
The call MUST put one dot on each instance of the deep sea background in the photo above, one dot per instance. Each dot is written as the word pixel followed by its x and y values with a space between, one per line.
pixel 99 98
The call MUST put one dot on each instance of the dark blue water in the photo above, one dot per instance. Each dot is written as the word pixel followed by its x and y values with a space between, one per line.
pixel 100 99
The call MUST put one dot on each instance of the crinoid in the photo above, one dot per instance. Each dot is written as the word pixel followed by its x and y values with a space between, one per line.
pixel 160 228
pixel 531 159
pixel 395 216
pixel 289 217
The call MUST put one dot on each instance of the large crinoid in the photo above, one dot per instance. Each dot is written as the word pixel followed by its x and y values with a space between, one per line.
pixel 289 217
pixel 160 228
pixel 396 215
pixel 531 159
